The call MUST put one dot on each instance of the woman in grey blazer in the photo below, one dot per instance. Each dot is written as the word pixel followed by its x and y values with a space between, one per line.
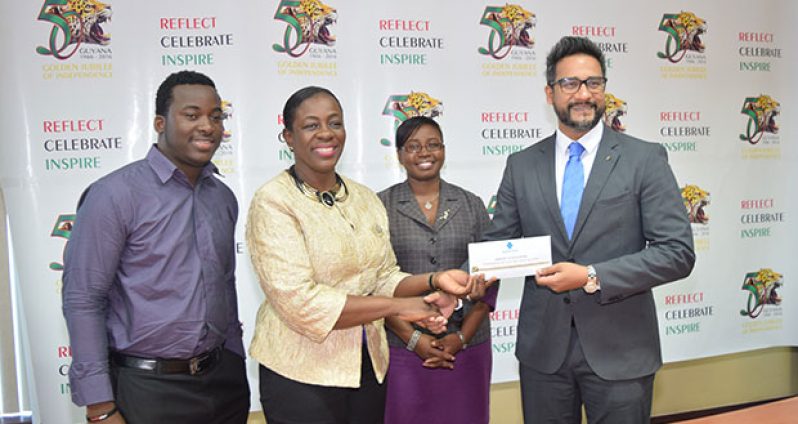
pixel 431 223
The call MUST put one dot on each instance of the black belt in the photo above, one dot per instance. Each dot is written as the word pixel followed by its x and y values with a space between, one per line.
pixel 192 366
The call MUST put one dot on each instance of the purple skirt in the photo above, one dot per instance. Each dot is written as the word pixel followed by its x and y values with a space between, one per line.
pixel 420 395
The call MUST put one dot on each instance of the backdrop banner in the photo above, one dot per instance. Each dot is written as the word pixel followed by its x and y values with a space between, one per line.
pixel 706 79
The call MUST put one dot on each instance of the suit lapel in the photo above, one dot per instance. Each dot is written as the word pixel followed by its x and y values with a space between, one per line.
pixel 606 157
pixel 407 206
pixel 448 206
pixel 548 181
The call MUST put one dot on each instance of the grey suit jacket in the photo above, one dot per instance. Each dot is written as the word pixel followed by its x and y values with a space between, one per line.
pixel 632 226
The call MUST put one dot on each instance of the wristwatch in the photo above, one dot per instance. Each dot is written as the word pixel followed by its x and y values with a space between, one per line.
pixel 592 284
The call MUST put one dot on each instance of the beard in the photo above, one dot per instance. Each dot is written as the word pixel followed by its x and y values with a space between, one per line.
pixel 564 115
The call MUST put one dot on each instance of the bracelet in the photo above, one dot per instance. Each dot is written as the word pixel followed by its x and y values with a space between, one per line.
pixel 411 344
pixel 462 339
pixel 102 417
pixel 431 281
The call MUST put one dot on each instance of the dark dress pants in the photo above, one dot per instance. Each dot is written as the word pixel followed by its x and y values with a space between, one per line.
pixel 219 396
pixel 558 397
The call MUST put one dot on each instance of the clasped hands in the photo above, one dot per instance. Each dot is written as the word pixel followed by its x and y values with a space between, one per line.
pixel 438 352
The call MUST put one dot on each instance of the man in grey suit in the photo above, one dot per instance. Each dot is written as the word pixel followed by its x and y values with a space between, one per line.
pixel 587 331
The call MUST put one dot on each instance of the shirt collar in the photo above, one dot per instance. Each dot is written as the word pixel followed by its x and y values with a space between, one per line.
pixel 165 169
pixel 589 141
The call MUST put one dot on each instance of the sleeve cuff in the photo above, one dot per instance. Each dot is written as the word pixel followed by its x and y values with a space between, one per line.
pixel 92 389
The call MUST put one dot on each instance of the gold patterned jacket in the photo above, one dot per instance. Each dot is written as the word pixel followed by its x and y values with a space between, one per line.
pixel 308 257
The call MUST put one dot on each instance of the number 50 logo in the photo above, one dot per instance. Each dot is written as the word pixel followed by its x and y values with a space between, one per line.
pixel 74 22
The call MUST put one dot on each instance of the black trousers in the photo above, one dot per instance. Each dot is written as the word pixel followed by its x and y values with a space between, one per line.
pixel 286 401
pixel 219 396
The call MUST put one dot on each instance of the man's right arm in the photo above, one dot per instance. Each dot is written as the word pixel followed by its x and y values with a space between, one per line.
pixel 90 265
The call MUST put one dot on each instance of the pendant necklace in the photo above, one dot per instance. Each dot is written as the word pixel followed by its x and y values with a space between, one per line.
pixel 428 203
pixel 328 198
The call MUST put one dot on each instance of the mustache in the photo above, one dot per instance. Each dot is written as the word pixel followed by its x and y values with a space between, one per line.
pixel 590 104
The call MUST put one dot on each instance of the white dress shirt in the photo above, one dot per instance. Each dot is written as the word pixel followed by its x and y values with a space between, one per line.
pixel 589 141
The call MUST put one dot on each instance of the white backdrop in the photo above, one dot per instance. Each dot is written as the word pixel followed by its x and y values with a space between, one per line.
pixel 75 112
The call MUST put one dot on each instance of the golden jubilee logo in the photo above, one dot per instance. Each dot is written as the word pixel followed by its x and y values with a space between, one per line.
pixel 684 30
pixel 762 112
pixel 761 287
pixel 695 200
pixel 62 229
pixel 75 22
pixel 614 110
pixel 492 205
pixel 404 106
pixel 510 27
pixel 308 23
pixel 227 112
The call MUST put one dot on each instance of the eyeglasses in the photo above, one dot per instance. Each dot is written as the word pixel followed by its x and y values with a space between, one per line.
pixel 570 85
pixel 417 147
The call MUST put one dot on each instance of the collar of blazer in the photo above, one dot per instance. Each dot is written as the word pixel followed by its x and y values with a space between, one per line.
pixel 448 205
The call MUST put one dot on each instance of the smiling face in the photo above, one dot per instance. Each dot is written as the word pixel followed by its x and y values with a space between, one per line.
pixel 317 137
pixel 579 112
pixel 423 165
pixel 192 129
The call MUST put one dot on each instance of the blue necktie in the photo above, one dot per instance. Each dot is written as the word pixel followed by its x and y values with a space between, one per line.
pixel 573 184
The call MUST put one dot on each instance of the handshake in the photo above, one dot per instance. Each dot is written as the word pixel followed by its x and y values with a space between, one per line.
pixel 449 287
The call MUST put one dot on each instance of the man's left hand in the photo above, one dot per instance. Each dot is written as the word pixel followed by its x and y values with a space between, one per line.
pixel 562 276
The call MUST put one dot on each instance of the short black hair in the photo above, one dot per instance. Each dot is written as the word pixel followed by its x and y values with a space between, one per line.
pixel 163 98
pixel 568 46
pixel 410 125
pixel 299 97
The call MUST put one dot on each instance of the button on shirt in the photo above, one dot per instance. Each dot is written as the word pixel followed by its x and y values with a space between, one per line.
pixel 149 271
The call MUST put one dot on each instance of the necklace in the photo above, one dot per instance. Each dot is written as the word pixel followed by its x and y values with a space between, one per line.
pixel 428 203
pixel 339 193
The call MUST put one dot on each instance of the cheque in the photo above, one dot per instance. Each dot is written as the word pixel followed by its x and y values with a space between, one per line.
pixel 509 258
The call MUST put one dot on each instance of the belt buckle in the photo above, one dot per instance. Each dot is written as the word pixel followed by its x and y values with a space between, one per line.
pixel 194 365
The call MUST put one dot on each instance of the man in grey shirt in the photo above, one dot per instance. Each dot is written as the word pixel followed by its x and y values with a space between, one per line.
pixel 149 288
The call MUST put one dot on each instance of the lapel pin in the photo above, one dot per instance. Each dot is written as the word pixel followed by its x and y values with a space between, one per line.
pixel 608 158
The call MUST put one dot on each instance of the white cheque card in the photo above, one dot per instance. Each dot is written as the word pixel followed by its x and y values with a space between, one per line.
pixel 510 258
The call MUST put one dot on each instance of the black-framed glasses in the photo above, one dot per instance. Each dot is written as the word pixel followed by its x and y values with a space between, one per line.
pixel 417 147
pixel 570 85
